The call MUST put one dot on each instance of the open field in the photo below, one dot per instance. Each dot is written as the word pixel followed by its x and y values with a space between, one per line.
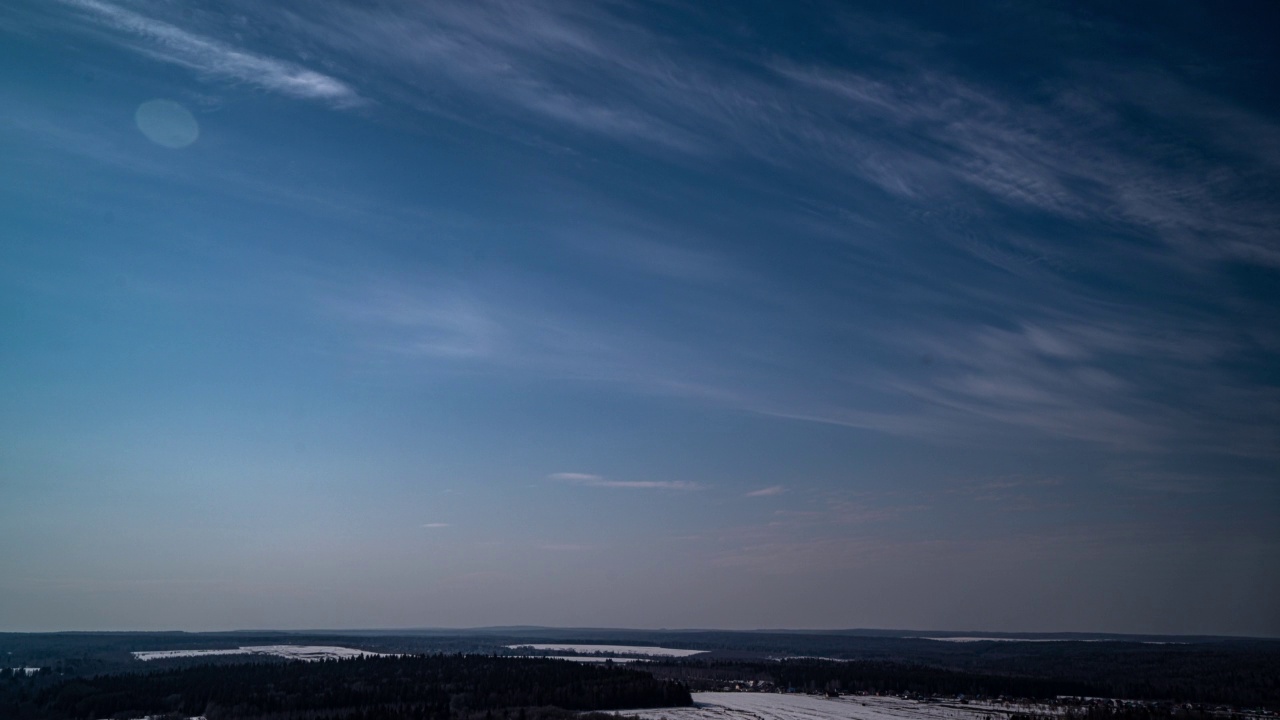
pixel 621 650
pixel 791 706
pixel 292 652
pixel 588 658
pixel 972 639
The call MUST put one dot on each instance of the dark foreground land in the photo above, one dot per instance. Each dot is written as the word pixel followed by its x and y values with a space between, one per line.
pixel 476 675
pixel 438 687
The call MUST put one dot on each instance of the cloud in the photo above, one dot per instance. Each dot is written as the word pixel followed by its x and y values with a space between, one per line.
pixel 588 480
pixel 169 43
pixel 575 477
pixel 767 492
pixel 936 161
pixel 525 61
pixel 416 317
pixel 435 525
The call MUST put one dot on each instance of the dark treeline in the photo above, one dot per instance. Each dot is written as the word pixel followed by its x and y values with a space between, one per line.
pixel 430 687
pixel 897 678
pixel 1241 677
pixel 1253 686
pixel 866 677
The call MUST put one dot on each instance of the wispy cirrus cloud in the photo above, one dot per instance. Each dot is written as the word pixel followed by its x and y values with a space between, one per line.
pixel 441 322
pixel 936 135
pixel 598 481
pixel 169 43
pixel 541 61
pixel 953 159
pixel 767 492
pixel 946 159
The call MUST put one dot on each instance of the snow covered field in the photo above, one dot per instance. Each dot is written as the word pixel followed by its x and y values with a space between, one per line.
pixel 627 650
pixel 778 706
pixel 968 639
pixel 1007 639
pixel 587 659
pixel 293 652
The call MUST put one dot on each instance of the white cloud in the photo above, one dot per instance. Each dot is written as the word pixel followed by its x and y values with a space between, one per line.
pixel 575 477
pixel 767 492
pixel 172 44
pixel 589 480
pixel 435 525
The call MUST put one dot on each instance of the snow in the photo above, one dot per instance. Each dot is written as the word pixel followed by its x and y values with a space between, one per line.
pixel 1005 639
pixel 26 670
pixel 160 717
pixel 166 654
pixel 631 650
pixel 968 639
pixel 793 706
pixel 292 652
pixel 587 659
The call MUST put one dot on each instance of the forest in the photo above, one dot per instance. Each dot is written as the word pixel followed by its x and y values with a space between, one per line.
pixel 1169 678
pixel 422 687
pixel 90 671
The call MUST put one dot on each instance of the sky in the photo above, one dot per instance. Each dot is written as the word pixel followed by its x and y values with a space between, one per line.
pixel 327 313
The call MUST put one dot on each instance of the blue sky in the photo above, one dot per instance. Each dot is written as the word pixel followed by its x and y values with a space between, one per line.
pixel 647 315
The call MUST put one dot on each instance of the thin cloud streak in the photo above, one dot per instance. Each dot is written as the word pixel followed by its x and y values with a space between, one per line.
pixel 597 481
pixel 169 43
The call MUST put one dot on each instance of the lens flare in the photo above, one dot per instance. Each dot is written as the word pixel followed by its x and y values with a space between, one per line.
pixel 167 123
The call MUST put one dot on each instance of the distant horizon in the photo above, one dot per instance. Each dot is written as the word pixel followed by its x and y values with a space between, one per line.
pixel 497 630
